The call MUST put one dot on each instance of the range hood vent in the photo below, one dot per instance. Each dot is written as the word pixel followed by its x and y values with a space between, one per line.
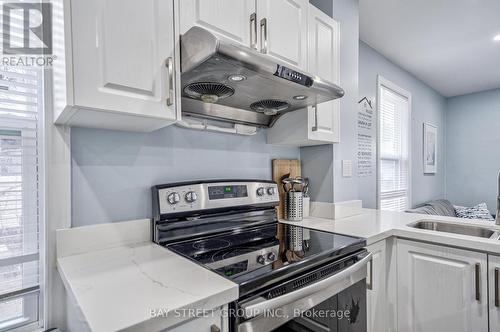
pixel 270 106
pixel 225 81
pixel 207 91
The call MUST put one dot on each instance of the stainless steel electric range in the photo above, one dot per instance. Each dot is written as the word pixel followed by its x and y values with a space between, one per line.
pixel 290 278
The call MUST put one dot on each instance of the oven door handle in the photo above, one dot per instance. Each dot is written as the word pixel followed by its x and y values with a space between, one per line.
pixel 256 307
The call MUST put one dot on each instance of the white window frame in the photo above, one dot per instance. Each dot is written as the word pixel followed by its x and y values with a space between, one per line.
pixel 381 83
pixel 57 204
pixel 54 185
pixel 41 291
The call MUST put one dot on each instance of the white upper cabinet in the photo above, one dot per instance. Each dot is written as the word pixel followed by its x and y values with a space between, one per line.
pixel 324 42
pixel 319 124
pixel 233 19
pixel 283 30
pixel 324 61
pixel 274 27
pixel 441 289
pixel 125 65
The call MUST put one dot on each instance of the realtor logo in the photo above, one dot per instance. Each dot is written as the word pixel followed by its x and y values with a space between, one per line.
pixel 35 22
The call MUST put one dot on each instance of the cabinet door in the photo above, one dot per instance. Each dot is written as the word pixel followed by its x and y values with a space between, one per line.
pixel 283 30
pixel 324 61
pixel 324 122
pixel 230 18
pixel 376 297
pixel 494 291
pixel 124 56
pixel 441 289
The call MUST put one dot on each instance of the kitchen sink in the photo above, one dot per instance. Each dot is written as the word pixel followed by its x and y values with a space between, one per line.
pixel 470 230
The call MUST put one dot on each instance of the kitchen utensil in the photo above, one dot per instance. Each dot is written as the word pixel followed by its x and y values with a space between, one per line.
pixel 282 181
pixel 305 189
pixel 297 182
pixel 280 168
pixel 288 184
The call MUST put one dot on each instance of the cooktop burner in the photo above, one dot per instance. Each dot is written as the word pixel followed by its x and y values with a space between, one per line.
pixel 250 257
pixel 232 252
pixel 211 244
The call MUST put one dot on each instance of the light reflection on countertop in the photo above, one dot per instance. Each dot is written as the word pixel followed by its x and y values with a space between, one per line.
pixel 375 225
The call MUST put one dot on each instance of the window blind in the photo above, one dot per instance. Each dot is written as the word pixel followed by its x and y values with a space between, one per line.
pixel 20 110
pixel 394 150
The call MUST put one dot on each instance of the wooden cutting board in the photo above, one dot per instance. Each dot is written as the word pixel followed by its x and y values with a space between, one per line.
pixel 280 168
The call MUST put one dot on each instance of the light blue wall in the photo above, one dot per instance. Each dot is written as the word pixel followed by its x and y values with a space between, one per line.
pixel 346 12
pixel 473 148
pixel 317 165
pixel 112 171
pixel 427 106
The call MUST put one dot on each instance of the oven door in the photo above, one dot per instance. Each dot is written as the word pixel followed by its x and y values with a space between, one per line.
pixel 335 303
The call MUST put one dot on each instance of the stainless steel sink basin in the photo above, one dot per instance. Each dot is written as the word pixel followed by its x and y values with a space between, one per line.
pixel 470 230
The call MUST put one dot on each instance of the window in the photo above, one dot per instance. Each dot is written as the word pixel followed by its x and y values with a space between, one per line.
pixel 394 130
pixel 21 103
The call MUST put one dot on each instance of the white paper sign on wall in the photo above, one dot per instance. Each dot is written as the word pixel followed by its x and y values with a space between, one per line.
pixel 366 145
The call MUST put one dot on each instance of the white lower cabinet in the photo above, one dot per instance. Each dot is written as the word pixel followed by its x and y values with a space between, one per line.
pixel 441 289
pixel 376 294
pixel 494 291
pixel 212 322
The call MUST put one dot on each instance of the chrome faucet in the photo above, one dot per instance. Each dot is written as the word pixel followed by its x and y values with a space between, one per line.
pixel 497 220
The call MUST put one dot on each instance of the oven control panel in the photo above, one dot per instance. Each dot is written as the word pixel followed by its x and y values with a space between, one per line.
pixel 214 195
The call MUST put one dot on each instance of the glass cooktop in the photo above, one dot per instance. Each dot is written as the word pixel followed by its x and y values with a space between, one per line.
pixel 259 256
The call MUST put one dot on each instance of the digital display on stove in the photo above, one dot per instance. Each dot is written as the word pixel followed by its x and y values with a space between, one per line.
pixel 221 192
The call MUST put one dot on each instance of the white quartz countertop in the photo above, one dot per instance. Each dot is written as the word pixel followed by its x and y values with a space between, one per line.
pixel 116 288
pixel 376 225
pixel 116 277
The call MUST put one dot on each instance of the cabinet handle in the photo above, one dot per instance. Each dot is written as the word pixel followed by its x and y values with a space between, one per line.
pixel 369 285
pixel 478 291
pixel 263 35
pixel 214 328
pixel 170 73
pixel 315 127
pixel 253 31
pixel 497 300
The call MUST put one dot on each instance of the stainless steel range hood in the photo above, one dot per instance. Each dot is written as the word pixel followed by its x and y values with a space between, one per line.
pixel 225 81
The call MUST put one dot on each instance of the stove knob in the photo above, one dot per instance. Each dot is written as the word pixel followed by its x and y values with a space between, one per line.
pixel 270 191
pixel 261 260
pixel 260 191
pixel 271 256
pixel 191 197
pixel 174 198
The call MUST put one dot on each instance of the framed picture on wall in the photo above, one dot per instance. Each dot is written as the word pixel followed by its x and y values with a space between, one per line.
pixel 430 148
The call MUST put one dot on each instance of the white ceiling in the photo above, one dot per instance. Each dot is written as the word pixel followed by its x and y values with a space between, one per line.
pixel 448 44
